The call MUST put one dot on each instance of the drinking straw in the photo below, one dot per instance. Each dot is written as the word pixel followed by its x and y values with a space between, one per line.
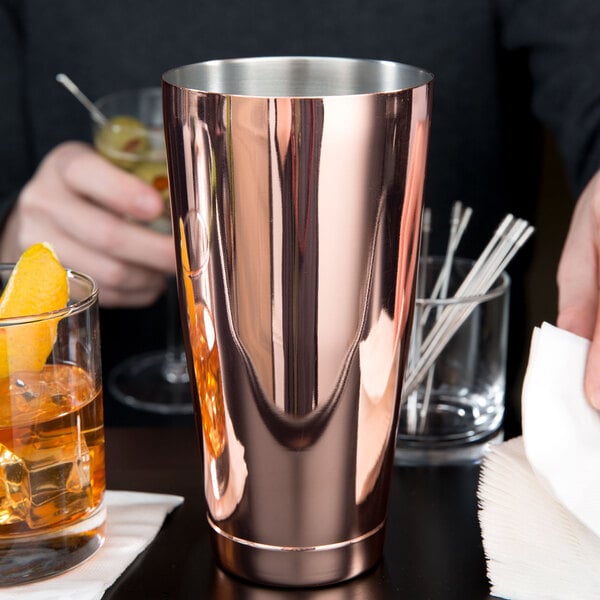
pixel 459 220
pixel 416 337
pixel 458 223
pixel 508 238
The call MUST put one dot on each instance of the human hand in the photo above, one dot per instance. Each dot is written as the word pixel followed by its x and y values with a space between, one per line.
pixel 86 209
pixel 579 282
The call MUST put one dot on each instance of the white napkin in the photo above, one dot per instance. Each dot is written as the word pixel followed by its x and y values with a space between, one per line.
pixel 133 520
pixel 539 495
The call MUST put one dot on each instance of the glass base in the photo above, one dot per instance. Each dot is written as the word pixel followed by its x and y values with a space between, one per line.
pixel 412 453
pixel 36 557
pixel 143 382
pixel 293 566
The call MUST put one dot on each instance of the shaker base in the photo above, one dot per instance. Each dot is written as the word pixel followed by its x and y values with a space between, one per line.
pixel 290 566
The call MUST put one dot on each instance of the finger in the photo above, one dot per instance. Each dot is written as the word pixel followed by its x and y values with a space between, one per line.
pixel 592 367
pixel 577 277
pixel 87 173
pixel 578 300
pixel 115 298
pixel 109 234
pixel 110 273
pixel 578 282
pixel 126 281
pixel 592 371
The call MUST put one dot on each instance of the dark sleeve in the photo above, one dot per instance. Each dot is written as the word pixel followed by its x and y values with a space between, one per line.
pixel 15 161
pixel 560 40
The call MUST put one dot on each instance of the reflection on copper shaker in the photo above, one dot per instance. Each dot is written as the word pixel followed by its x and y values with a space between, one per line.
pixel 296 189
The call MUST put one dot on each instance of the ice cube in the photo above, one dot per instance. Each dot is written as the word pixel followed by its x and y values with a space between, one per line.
pixel 14 488
pixel 62 487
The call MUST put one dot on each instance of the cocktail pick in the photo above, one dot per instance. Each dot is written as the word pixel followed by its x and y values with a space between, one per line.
pixel 96 114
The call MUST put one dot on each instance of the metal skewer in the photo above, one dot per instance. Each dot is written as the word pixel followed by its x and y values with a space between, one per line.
pixel 96 114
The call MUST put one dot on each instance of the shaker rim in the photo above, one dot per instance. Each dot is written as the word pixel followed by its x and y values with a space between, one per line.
pixel 297 77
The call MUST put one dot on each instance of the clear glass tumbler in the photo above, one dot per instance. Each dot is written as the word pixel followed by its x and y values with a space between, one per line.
pixel 52 477
pixel 456 411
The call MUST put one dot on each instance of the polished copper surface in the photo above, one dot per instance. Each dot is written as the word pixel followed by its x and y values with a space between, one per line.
pixel 296 189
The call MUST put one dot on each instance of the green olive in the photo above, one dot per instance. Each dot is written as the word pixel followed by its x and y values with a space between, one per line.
pixel 123 140
pixel 155 174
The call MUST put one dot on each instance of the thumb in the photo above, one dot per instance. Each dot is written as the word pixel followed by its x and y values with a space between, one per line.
pixel 578 287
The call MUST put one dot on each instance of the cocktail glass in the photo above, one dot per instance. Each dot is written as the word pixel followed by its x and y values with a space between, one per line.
pixel 52 478
pixel 133 140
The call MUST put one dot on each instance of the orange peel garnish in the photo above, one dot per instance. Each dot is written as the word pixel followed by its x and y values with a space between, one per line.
pixel 37 285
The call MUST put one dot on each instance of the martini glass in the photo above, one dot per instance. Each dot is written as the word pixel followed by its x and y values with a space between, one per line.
pixel 130 135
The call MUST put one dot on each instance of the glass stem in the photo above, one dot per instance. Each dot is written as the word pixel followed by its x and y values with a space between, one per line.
pixel 175 366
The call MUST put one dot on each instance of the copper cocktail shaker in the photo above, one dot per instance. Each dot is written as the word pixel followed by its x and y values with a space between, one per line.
pixel 296 189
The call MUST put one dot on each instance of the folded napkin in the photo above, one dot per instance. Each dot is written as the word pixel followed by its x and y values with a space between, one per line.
pixel 539 495
pixel 133 520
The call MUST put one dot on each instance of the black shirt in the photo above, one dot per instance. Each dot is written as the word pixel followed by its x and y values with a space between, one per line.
pixel 502 68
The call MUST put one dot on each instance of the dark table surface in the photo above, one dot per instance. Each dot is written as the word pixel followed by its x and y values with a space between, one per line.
pixel 433 547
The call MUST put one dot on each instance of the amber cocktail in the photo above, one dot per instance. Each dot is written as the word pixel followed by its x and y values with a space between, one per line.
pixel 52 477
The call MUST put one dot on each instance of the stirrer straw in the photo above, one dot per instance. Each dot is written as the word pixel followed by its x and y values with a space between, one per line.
pixel 416 337
pixel 458 223
pixel 508 238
